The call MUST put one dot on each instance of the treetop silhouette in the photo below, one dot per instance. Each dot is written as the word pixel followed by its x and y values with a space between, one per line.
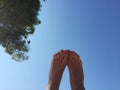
pixel 17 21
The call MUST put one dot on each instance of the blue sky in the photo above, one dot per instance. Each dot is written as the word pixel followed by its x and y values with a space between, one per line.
pixel 89 27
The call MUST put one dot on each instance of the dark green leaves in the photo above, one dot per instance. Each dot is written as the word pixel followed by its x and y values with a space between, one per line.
pixel 17 21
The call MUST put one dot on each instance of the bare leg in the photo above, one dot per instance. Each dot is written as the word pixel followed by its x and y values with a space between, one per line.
pixel 76 72
pixel 57 67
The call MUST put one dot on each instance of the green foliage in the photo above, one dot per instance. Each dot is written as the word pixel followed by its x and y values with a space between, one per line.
pixel 17 21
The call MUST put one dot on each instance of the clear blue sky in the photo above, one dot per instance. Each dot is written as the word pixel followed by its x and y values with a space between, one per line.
pixel 89 27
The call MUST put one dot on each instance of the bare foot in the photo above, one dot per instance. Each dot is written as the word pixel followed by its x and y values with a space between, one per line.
pixel 76 72
pixel 58 65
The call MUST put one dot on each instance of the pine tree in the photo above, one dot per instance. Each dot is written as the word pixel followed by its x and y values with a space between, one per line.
pixel 17 21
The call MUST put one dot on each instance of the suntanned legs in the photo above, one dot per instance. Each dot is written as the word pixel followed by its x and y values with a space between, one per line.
pixel 59 62
pixel 57 67
pixel 76 72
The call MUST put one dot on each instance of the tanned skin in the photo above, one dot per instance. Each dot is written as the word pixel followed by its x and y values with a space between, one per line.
pixel 60 61
pixel 58 65
pixel 76 72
